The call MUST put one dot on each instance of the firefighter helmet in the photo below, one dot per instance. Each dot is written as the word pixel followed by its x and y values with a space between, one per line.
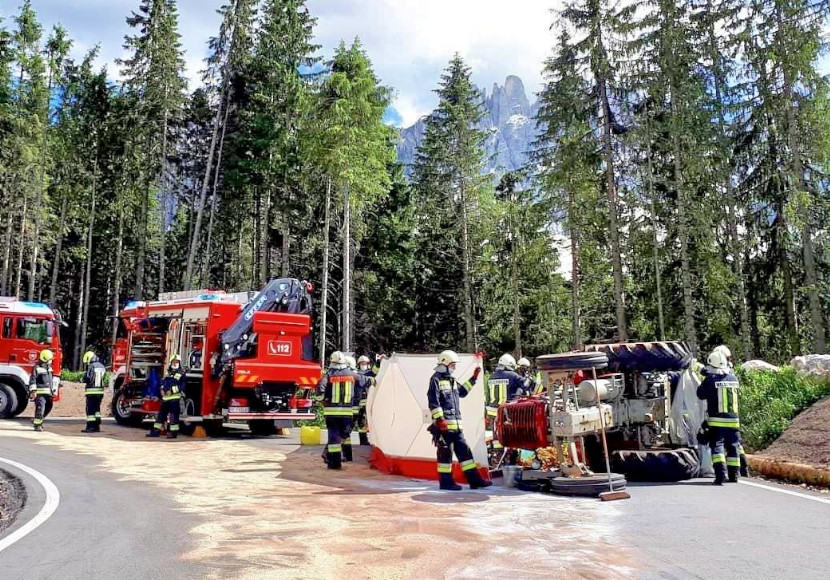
pixel 351 362
pixel 725 350
pixel 718 360
pixel 523 363
pixel 46 356
pixel 447 358
pixel 507 361
pixel 89 357
pixel 337 358
pixel 363 359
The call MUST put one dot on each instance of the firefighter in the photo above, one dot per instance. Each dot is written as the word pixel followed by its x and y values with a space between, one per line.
pixel 720 391
pixel 172 391
pixel 742 454
pixel 534 385
pixel 444 404
pixel 362 384
pixel 368 375
pixel 505 384
pixel 87 358
pixel 338 389
pixel 40 386
pixel 94 393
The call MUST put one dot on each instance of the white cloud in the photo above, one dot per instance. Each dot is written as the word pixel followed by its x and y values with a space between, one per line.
pixel 409 41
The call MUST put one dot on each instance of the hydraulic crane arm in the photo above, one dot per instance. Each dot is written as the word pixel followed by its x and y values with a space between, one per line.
pixel 281 295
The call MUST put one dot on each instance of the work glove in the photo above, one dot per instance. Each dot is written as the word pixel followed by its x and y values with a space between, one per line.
pixel 476 372
pixel 442 425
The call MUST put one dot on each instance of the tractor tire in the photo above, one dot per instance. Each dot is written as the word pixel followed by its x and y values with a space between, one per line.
pixel 663 465
pixel 572 361
pixel 8 401
pixel 121 411
pixel 262 428
pixel 645 356
pixel 590 486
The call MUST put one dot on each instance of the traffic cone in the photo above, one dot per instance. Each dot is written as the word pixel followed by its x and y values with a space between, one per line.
pixel 199 432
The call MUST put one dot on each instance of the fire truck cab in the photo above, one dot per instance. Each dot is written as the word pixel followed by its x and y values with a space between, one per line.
pixel 249 357
pixel 26 328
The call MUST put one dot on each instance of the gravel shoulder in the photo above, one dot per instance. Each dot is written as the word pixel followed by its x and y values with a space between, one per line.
pixel 12 499
pixel 806 440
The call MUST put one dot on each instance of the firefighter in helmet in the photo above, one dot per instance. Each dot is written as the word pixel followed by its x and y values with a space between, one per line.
pixel 365 370
pixel 444 398
pixel 534 385
pixel 172 392
pixel 503 385
pixel 40 387
pixel 93 392
pixel 338 390
pixel 728 354
pixel 720 391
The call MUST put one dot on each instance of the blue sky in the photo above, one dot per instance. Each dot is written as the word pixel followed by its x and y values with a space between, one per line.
pixel 409 41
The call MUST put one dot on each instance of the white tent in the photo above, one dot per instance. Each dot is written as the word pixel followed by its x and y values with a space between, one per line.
pixel 398 416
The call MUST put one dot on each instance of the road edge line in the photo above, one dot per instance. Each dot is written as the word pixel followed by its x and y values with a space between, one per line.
pixel 785 491
pixel 53 498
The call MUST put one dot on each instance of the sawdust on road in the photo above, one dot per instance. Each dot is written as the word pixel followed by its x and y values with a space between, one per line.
pixel 268 509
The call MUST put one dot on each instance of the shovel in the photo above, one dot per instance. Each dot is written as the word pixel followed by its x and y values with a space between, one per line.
pixel 611 494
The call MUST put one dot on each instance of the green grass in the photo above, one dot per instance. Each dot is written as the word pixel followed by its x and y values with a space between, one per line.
pixel 770 400
pixel 78 376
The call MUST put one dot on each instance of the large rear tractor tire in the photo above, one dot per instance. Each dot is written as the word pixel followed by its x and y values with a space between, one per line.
pixel 590 486
pixel 122 413
pixel 662 465
pixel 645 356
pixel 8 401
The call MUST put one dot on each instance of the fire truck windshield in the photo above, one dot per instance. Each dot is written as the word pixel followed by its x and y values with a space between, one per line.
pixel 34 329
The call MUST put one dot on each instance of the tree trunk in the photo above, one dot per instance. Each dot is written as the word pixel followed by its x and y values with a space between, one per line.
pixel 325 298
pixel 611 191
pixel 7 252
pixel 142 241
pixel 286 248
pixel 56 259
pixel 265 241
pixel 76 358
pixel 119 250
pixel 163 188
pixel 655 242
pixel 469 321
pixel 789 291
pixel 194 244
pixel 88 280
pixel 347 271
pixel 214 197
pixel 576 323
pixel 21 246
pixel 689 331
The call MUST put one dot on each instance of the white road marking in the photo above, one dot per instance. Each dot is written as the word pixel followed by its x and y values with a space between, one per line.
pixel 53 499
pixel 786 491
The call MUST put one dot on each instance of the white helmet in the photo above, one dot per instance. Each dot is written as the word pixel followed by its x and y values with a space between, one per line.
pixel 337 358
pixel 523 362
pixel 507 361
pixel 363 359
pixel 447 358
pixel 718 360
pixel 352 364
pixel 725 350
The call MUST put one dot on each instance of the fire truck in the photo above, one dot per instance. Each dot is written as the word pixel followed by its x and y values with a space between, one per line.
pixel 28 328
pixel 249 357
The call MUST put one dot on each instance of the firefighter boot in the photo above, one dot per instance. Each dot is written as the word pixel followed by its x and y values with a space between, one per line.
pixel 446 483
pixel 38 427
pixel 733 473
pixel 154 433
pixel 475 480
pixel 347 452
pixel 364 439
pixel 334 460
pixel 172 434
pixel 720 473
pixel 744 471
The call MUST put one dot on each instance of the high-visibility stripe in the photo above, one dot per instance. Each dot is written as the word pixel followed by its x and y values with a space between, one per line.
pixel 174 427
pixel 334 448
pixel 337 411
pixel 492 411
pixel 497 445
pixel 718 458
pixel 445 468
pixel 157 426
pixel 468 465
pixel 728 422
pixel 454 425
pixel 94 392
pixel 438 413
pixel 347 442
pixel 90 417
pixel 733 462
pixel 38 422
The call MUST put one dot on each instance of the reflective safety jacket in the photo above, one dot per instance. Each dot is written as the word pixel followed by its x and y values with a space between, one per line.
pixel 40 382
pixel 338 387
pixel 444 398
pixel 502 386
pixel 172 387
pixel 94 379
pixel 364 380
pixel 720 391
pixel 534 384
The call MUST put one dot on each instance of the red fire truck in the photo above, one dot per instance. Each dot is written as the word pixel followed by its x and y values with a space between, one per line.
pixel 28 328
pixel 248 359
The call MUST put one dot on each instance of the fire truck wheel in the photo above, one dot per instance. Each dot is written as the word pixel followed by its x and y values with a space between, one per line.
pixel 263 428
pixel 22 402
pixel 590 486
pixel 121 411
pixel 8 401
pixel 188 410
pixel 657 464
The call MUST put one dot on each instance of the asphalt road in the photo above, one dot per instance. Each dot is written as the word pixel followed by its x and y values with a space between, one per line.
pixel 112 527
pixel 102 528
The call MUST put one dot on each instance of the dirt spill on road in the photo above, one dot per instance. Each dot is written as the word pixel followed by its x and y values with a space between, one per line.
pixel 265 513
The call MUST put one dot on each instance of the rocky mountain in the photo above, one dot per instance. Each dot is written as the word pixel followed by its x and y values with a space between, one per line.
pixel 509 121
